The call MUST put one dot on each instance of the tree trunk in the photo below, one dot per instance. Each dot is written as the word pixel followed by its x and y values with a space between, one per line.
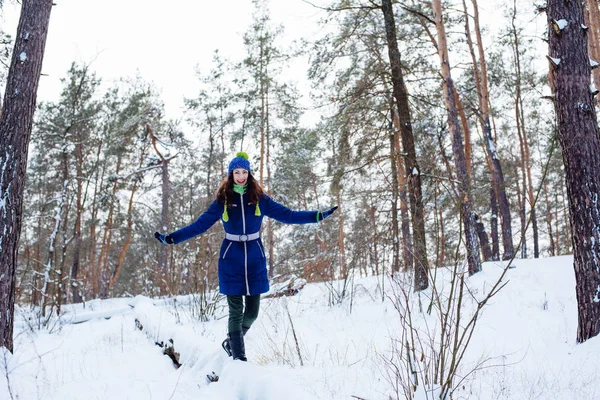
pixel 442 256
pixel 127 243
pixel 102 266
pixel 591 17
pixel 74 284
pixel 93 265
pixel 494 225
pixel 61 275
pixel 407 243
pixel 522 213
pixel 526 162
pixel 270 236
pixel 343 267
pixel 262 115
pixel 556 216
pixel 48 267
pixel 482 86
pixel 412 170
pixel 465 125
pixel 163 272
pixel 483 239
pixel 551 250
pixel 395 196
pixel 164 223
pixel 15 132
pixel 579 138
pixel 467 215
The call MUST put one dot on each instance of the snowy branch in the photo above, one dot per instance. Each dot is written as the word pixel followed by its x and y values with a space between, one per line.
pixel 418 13
pixel 333 9
pixel 142 170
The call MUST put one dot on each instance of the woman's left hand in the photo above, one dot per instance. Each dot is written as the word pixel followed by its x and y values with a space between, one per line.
pixel 163 238
pixel 324 214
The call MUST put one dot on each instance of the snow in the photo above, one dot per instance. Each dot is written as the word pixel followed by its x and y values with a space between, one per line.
pixel 561 23
pixel 492 147
pixel 593 63
pixel 527 334
pixel 555 61
pixel 23 56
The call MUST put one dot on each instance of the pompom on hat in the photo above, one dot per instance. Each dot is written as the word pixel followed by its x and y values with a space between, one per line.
pixel 240 161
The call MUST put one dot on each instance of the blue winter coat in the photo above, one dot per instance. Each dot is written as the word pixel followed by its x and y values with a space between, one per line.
pixel 243 265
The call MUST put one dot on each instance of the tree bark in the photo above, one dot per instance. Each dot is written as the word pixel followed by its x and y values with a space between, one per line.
pixel 102 266
pixel 467 131
pixel 522 213
pixel 467 215
pixel 263 96
pixel 579 138
pixel 128 237
pixel 93 263
pixel 407 242
pixel 482 86
pixel 74 285
pixel 395 196
pixel 591 17
pixel 520 115
pixel 494 225
pixel 551 250
pixel 483 239
pixel 343 265
pixel 270 236
pixel 412 170
pixel 15 132
pixel 165 283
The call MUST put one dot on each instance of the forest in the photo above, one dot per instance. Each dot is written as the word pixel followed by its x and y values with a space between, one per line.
pixel 441 140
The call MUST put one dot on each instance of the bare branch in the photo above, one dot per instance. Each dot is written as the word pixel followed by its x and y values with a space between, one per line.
pixel 332 9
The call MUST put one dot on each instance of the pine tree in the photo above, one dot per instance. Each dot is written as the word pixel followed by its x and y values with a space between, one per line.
pixel 580 141
pixel 15 130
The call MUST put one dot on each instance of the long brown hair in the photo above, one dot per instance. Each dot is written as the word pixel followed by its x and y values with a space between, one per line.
pixel 225 192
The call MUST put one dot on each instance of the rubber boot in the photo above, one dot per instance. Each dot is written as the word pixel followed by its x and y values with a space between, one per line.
pixel 238 350
pixel 226 344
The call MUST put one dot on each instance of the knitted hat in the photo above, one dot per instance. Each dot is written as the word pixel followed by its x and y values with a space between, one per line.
pixel 240 161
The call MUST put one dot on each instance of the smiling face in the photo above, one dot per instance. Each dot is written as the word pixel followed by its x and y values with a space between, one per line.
pixel 240 176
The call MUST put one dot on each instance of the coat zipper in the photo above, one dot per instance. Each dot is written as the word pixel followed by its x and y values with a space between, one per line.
pixel 245 246
pixel 227 249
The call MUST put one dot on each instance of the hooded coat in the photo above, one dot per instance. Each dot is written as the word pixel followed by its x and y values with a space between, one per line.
pixel 243 265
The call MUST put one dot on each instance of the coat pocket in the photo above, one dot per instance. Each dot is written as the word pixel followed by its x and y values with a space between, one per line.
pixel 261 249
pixel 227 249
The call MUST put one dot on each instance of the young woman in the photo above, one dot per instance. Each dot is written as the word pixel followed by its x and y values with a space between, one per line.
pixel 241 204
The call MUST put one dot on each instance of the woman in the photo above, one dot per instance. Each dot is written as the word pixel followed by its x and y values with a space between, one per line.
pixel 241 205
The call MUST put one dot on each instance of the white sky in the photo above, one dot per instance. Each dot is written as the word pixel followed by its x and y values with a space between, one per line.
pixel 162 41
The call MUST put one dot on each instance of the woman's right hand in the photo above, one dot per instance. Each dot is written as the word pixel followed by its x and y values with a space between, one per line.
pixel 164 238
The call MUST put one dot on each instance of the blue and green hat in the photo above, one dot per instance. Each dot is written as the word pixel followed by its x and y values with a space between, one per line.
pixel 240 161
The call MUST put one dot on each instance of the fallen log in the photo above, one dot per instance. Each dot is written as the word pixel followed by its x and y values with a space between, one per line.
pixel 291 289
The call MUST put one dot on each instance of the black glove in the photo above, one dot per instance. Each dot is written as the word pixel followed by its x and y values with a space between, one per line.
pixel 321 215
pixel 163 238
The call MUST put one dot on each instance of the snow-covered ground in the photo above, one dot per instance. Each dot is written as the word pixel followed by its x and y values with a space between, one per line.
pixel 525 338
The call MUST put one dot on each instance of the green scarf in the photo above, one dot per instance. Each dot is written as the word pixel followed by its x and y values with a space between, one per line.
pixel 241 189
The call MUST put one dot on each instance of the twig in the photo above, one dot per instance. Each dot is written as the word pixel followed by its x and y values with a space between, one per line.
pixel 294 333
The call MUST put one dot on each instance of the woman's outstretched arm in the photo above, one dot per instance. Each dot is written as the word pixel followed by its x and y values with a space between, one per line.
pixel 283 214
pixel 201 225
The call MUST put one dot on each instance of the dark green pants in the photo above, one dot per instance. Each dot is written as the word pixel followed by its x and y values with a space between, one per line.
pixel 242 317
